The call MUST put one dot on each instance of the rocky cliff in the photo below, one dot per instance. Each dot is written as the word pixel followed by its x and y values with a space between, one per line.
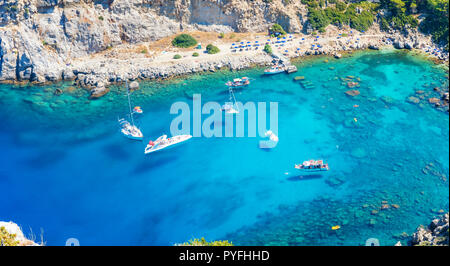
pixel 38 38
pixel 436 234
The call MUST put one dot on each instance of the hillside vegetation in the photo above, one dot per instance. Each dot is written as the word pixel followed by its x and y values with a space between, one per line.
pixel 398 15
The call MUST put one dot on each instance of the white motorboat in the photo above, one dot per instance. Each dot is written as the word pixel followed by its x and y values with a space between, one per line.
pixel 164 142
pixel 130 130
pixel 274 70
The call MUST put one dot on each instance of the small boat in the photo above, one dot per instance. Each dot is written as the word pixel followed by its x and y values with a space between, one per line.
pixel 137 110
pixel 274 70
pixel 271 143
pixel 313 165
pixel 238 82
pixel 231 107
pixel 130 131
pixel 164 142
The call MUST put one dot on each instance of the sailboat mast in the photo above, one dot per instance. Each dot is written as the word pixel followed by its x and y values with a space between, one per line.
pixel 129 103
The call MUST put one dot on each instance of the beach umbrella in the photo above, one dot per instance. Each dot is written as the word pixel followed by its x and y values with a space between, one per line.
pixel 256 41
pixel 303 39
pixel 298 49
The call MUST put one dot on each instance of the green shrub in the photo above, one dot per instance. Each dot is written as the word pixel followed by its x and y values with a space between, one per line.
pixel 341 6
pixel 100 18
pixel 268 49
pixel 177 56
pixel 222 35
pixel 363 21
pixel 184 41
pixel 276 30
pixel 318 19
pixel 195 54
pixel 7 239
pixel 211 49
pixel 436 20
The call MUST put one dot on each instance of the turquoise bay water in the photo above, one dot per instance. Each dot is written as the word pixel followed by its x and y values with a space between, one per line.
pixel 67 170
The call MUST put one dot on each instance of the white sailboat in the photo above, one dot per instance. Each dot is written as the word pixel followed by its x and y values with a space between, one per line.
pixel 164 142
pixel 130 130
pixel 230 108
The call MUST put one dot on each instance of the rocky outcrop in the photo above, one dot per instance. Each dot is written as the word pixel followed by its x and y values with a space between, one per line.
pixel 436 234
pixel 48 40
pixel 11 234
pixel 38 38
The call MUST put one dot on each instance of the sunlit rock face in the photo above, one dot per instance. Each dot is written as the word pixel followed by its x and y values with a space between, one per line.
pixel 39 37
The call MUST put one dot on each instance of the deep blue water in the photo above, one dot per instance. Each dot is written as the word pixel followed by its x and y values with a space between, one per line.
pixel 67 170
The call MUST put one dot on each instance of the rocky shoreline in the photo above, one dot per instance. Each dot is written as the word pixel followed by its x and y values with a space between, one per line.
pixel 435 234
pixel 99 44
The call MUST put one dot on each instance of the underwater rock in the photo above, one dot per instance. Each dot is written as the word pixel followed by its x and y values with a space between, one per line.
pixel 334 181
pixel 98 92
pixel 352 93
pixel 58 91
pixel 387 99
pixel 433 100
pixel 352 84
pixel 413 100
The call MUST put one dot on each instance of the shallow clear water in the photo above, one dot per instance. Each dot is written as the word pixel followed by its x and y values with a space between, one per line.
pixel 67 170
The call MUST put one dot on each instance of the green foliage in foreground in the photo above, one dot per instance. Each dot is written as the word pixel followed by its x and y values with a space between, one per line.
pixel 203 242
pixel 184 41
pixel 211 49
pixel 268 49
pixel 177 56
pixel 7 239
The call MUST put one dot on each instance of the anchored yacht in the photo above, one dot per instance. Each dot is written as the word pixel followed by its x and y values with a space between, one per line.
pixel 164 142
